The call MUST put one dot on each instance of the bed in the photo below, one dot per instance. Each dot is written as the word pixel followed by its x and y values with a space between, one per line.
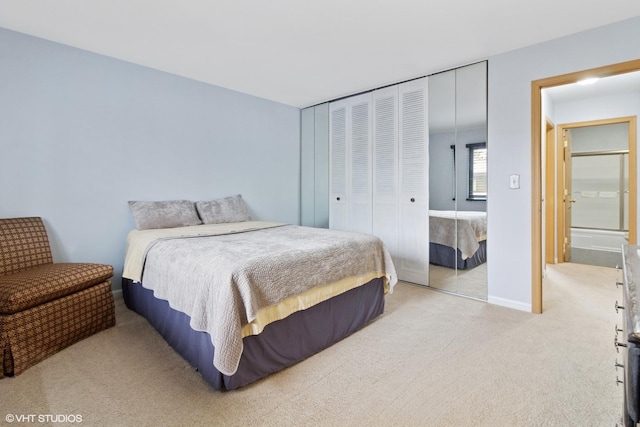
pixel 242 300
pixel 457 239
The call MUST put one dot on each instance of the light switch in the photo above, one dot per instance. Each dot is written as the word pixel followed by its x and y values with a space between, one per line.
pixel 514 182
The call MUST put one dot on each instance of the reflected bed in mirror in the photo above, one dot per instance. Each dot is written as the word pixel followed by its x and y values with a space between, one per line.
pixel 458 252
pixel 457 239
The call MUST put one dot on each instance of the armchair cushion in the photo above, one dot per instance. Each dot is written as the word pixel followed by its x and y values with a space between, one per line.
pixel 23 244
pixel 47 282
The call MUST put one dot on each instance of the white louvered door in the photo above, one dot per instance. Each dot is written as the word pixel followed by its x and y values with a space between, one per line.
pixel 338 174
pixel 412 261
pixel 379 172
pixel 350 164
pixel 360 206
pixel 385 167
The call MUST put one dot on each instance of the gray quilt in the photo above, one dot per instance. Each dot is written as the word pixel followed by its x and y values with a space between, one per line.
pixel 223 281
pixel 458 229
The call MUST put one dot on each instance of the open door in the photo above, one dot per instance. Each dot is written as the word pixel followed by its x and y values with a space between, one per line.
pixel 568 199
pixel 536 169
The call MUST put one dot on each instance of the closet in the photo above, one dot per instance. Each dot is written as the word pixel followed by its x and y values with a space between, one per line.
pixel 382 162
pixel 378 179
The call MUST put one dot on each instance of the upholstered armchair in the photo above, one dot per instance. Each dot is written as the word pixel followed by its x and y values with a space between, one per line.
pixel 45 306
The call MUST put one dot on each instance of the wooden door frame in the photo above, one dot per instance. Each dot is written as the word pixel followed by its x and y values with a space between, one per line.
pixel 550 192
pixel 536 161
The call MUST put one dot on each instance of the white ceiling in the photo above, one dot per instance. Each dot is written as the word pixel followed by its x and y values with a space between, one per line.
pixel 305 52
pixel 613 85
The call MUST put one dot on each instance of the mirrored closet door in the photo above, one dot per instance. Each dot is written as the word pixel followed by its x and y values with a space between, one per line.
pixel 458 180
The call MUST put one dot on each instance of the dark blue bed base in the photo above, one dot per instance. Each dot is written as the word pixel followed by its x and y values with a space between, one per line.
pixel 452 258
pixel 281 344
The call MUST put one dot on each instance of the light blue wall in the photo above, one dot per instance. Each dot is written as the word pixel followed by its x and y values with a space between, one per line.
pixel 440 167
pixel 81 134
pixel 509 136
pixel 441 171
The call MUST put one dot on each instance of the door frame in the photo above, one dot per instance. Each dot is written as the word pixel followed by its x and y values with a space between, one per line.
pixel 567 185
pixel 550 192
pixel 537 161
pixel 631 122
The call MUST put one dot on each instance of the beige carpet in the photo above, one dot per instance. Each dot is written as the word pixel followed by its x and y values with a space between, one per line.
pixel 432 359
pixel 471 283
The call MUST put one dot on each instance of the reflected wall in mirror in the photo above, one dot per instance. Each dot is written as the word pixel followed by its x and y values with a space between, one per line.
pixel 458 180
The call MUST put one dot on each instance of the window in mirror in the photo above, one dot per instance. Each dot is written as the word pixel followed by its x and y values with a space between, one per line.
pixel 453 171
pixel 477 171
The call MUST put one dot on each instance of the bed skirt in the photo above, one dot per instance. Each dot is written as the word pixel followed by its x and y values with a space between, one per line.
pixel 281 344
pixel 452 258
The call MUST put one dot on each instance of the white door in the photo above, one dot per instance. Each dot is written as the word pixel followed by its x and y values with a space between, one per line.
pixel 385 167
pixel 359 148
pixel 338 175
pixel 412 262
pixel 350 164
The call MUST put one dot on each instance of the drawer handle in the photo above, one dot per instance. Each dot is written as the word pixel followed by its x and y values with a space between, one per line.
pixel 618 284
pixel 618 330
pixel 618 365
pixel 619 381
pixel 618 307
pixel 618 344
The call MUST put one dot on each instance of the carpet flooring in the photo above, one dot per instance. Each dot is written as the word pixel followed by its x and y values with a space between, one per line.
pixel 432 359
pixel 471 283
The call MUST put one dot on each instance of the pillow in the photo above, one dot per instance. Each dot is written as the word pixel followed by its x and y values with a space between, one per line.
pixel 229 209
pixel 166 214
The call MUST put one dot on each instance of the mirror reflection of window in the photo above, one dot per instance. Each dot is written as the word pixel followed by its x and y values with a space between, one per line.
pixel 453 173
pixel 477 154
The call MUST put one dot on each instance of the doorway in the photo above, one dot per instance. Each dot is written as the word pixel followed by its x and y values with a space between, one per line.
pixel 596 162
pixel 537 130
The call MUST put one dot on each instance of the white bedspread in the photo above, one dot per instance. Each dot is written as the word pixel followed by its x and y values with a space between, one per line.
pixel 471 229
pixel 227 282
pixel 140 241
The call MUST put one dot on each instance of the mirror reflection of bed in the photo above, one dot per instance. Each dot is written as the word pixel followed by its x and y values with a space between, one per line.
pixel 458 243
pixel 457 181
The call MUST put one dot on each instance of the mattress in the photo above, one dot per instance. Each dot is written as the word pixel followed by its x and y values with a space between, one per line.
pixel 230 287
pixel 281 344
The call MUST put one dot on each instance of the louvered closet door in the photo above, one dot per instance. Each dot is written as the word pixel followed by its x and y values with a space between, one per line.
pixel 385 167
pixel 338 174
pixel 359 146
pixel 412 261
pixel 350 164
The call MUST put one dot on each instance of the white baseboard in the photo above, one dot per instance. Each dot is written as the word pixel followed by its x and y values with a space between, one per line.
pixel 516 305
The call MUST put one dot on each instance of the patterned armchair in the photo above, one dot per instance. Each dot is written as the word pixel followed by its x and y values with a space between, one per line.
pixel 45 306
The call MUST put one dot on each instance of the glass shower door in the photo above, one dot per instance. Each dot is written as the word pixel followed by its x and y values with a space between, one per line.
pixel 600 190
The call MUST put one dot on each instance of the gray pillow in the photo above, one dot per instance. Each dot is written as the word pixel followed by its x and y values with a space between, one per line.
pixel 166 214
pixel 229 209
